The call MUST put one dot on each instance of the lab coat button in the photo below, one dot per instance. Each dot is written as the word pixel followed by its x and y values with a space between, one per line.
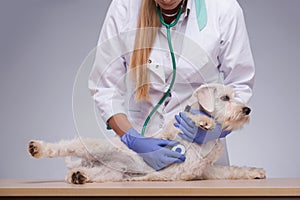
pixel 157 66
pixel 149 61
pixel 161 117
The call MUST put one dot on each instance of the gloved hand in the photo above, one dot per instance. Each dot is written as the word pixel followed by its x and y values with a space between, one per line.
pixel 152 150
pixel 192 133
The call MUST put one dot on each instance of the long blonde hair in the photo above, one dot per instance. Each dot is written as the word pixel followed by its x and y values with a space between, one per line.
pixel 144 40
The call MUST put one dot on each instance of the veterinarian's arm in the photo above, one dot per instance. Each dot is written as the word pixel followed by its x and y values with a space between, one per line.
pixel 108 75
pixel 120 124
pixel 235 57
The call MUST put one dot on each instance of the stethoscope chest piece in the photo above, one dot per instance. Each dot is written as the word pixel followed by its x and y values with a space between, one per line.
pixel 179 148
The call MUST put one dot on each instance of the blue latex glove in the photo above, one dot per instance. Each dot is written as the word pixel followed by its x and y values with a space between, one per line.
pixel 152 149
pixel 192 133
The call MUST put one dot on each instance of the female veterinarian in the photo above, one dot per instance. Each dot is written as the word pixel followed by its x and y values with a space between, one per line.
pixel 144 45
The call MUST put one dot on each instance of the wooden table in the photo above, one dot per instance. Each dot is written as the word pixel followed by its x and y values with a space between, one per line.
pixel 222 189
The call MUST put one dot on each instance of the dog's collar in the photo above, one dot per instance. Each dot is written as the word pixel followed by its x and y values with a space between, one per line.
pixel 188 109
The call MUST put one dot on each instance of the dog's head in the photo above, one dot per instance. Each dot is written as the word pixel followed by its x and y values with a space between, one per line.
pixel 218 101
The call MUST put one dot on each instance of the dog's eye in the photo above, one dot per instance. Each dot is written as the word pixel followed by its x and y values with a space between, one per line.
pixel 225 98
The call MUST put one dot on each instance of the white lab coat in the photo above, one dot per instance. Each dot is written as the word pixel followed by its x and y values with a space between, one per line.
pixel 222 47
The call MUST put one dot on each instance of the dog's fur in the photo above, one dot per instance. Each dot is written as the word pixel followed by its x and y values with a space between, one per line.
pixel 102 161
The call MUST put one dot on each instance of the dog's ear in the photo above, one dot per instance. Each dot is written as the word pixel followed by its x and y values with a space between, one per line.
pixel 206 97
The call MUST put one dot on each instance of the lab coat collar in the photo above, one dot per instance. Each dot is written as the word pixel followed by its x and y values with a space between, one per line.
pixel 188 6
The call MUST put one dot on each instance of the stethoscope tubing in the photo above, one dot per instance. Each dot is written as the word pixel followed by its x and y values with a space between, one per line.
pixel 166 94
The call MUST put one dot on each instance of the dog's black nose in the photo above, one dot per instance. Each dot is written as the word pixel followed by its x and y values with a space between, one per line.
pixel 246 110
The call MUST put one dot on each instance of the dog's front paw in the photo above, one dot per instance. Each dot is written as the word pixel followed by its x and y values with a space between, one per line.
pixel 257 173
pixel 76 177
pixel 205 123
pixel 35 148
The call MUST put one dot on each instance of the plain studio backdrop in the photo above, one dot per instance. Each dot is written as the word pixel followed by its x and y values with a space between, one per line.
pixel 44 42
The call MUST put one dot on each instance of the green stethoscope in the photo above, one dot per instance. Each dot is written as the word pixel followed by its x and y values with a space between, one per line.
pixel 166 94
pixel 201 15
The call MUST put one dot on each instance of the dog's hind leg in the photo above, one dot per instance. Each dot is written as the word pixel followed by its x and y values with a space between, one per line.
pixel 97 174
pixel 233 172
pixel 40 149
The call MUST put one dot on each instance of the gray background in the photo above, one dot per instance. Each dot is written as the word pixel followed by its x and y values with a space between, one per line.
pixel 44 42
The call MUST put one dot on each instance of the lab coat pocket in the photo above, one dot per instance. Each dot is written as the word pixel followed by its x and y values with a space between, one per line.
pixel 137 112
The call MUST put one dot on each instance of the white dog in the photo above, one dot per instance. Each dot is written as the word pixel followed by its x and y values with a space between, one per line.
pixel 103 160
